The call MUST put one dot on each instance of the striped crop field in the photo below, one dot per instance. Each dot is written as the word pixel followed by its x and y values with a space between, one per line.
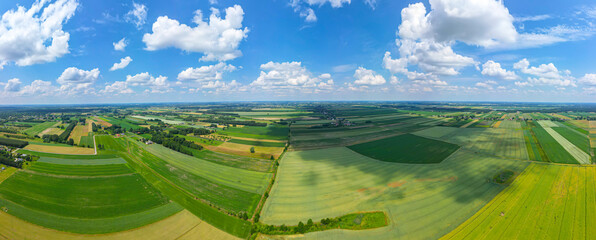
pixel 38 128
pixel 545 202
pixel 422 201
pixel 503 142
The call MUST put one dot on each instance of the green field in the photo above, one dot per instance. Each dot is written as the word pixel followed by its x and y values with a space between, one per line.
pixel 406 148
pixel 250 181
pixel 545 202
pixel 580 140
pixel 80 170
pixel 423 201
pixel 122 123
pixel 207 189
pixel 38 128
pixel 269 132
pixel 232 225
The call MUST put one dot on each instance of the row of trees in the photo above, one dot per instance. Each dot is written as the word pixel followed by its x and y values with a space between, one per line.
pixel 223 120
pixel 13 143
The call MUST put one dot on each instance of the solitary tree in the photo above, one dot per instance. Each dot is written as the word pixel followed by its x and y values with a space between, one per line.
pixel 252 149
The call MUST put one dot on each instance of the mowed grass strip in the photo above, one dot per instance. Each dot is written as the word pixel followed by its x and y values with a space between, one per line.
pixel 406 148
pixel 71 161
pixel 577 153
pixel 81 197
pixel 546 201
pixel 80 170
pixel 580 140
pixel 32 131
pixel 552 148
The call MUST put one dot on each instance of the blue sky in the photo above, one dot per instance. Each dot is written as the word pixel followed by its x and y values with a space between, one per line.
pixel 82 51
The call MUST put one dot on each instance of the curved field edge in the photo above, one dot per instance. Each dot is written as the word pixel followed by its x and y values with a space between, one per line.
pixel 406 148
pixel 182 224
pixel 90 226
pixel 422 200
pixel 545 201
pixel 229 224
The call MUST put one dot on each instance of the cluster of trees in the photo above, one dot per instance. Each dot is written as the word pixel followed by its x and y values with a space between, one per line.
pixel 9 162
pixel 62 138
pixel 6 158
pixel 223 120
pixel 195 131
pixel 298 229
pixel 7 130
pixel 175 143
pixel 13 143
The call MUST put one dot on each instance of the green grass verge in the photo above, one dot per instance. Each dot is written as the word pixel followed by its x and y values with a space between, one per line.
pixel 406 148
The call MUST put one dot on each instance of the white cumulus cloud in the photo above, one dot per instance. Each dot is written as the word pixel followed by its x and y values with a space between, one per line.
pixel 206 73
pixel 120 45
pixel 75 81
pixel 217 39
pixel 588 79
pixel 35 35
pixel 156 84
pixel 494 69
pixel 122 64
pixel 545 74
pixel 118 87
pixel 13 85
pixel 290 75
pixel 365 76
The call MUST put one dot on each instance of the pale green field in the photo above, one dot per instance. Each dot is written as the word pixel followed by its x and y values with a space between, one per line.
pixel 501 142
pixel 250 181
pixel 422 201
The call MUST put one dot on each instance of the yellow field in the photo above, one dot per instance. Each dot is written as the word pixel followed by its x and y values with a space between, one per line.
pixel 7 173
pixel 78 132
pixel 504 116
pixel 560 116
pixel 468 124
pixel 60 149
pixel 52 130
pixel 101 122
pixel 183 225
pixel 244 150
pixel 497 124
pixel 545 202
